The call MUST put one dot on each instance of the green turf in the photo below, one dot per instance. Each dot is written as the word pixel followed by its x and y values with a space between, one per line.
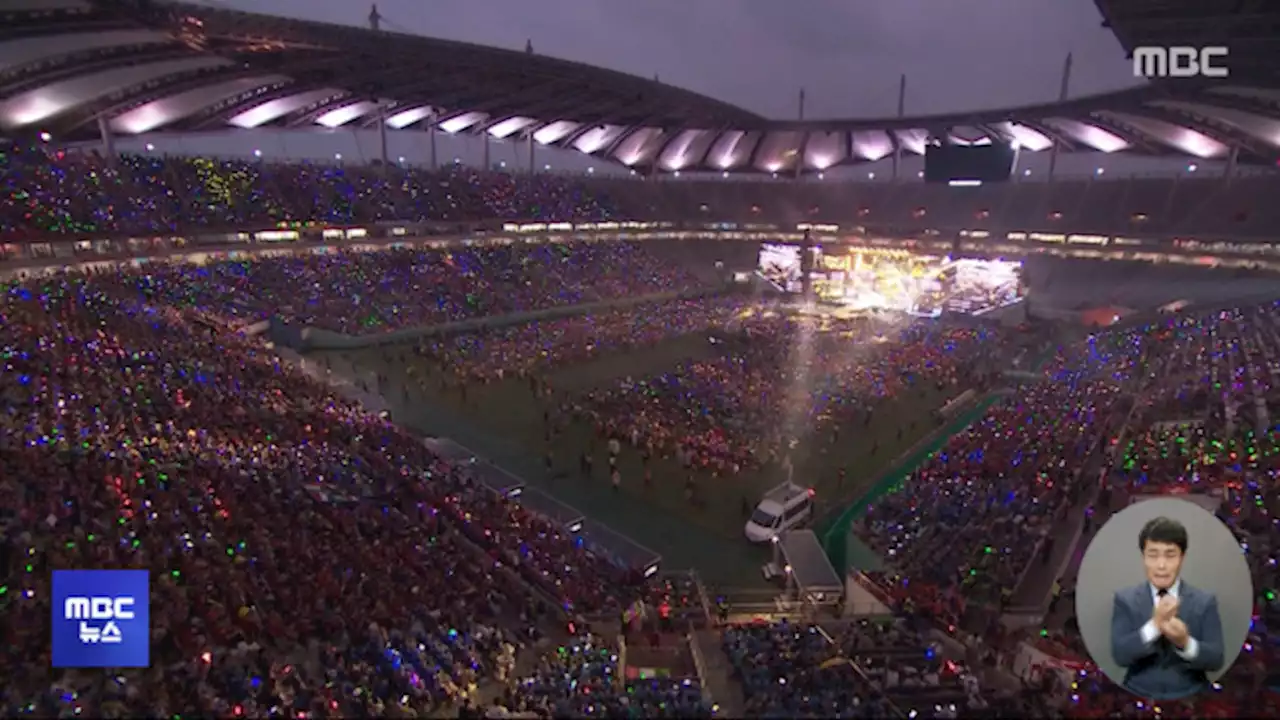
pixel 503 421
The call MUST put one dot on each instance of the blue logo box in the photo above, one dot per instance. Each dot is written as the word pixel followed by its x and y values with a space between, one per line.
pixel 101 618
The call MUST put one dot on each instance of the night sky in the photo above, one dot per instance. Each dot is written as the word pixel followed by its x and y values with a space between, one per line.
pixel 847 54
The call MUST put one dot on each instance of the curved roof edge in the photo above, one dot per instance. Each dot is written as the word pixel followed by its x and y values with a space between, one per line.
pixel 72 67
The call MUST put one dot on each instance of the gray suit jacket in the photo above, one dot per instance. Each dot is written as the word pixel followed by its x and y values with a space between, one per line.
pixel 1155 670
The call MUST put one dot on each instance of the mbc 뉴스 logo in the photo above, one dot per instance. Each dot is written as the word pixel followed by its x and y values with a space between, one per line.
pixel 87 609
pixel 101 618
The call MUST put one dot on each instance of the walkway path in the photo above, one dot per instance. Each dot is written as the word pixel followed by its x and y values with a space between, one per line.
pixel 724 689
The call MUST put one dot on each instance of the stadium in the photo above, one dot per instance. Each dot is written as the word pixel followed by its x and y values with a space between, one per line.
pixel 752 417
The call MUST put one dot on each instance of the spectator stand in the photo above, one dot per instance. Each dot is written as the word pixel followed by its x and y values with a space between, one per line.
pixel 798 669
pixel 811 582
pixel 842 660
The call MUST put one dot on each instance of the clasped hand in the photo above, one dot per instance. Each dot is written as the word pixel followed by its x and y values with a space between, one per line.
pixel 1165 617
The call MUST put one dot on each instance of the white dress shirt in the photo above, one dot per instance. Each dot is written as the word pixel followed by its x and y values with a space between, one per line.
pixel 1150 633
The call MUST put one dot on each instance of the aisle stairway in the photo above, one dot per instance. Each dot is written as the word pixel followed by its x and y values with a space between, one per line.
pixel 725 691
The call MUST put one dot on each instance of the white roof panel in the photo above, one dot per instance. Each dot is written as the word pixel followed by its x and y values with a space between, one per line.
pixel 159 113
pixel 724 152
pixel 1175 136
pixel 681 151
pixel 912 139
pixel 510 126
pixel 405 118
pixel 260 115
pixel 1263 128
pixel 43 103
pixel 554 132
pixel 1091 135
pixel 341 116
pixel 598 138
pixel 779 151
pixel 825 149
pixel 462 122
pixel 872 145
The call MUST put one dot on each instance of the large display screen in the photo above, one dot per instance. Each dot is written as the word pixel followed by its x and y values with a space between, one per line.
pixel 984 284
pixel 781 266
pixel 880 279
pixel 968 163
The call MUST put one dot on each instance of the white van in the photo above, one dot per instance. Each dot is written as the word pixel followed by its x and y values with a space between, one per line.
pixel 782 508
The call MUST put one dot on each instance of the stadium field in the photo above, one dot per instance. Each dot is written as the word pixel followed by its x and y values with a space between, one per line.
pixel 504 421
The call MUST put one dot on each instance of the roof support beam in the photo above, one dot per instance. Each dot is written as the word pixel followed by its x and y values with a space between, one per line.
pixel 609 114
pixel 1135 137
pixel 704 157
pixel 140 55
pixel 1060 139
pixel 754 155
pixel 305 117
pixel 502 108
pixel 206 119
pixel 608 153
pixel 85 115
pixel 1260 106
pixel 1213 129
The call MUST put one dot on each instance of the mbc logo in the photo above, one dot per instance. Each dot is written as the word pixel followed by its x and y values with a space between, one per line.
pixel 101 618
pixel 84 609
pixel 1179 62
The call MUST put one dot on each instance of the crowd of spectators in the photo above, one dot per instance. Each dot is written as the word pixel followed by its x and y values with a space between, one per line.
pixel 540 346
pixel 583 677
pixel 1202 426
pixel 727 411
pixel 309 558
pixel 67 193
pixel 366 292
pixel 304 554
pixel 864 669
pixel 965 526
pixel 1180 405
pixel 46 194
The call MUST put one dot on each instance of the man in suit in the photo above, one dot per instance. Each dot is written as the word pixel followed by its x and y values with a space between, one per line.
pixel 1164 632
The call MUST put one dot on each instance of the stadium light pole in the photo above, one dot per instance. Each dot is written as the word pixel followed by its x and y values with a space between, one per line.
pixel 1063 92
pixel 902 112
pixel 382 132
pixel 532 153
pixel 375 24
pixel 431 138
pixel 108 139
pixel 804 136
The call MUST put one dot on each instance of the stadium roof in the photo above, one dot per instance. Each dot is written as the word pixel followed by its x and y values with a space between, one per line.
pixel 1249 29
pixel 143 66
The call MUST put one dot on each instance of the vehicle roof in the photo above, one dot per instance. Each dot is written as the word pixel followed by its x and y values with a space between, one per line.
pixel 783 494
pixel 770 506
